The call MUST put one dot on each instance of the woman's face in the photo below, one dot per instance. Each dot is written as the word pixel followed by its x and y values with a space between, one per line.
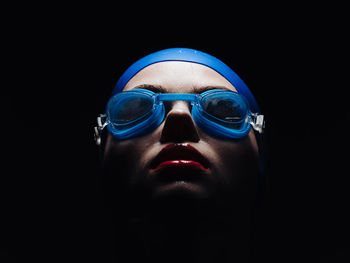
pixel 178 158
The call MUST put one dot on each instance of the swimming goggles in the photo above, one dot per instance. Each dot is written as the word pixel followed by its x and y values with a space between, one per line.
pixel 221 113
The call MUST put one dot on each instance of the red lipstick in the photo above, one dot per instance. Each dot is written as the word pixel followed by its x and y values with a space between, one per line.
pixel 180 163
pixel 179 156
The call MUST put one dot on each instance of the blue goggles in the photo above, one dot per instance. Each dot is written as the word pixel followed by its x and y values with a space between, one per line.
pixel 218 112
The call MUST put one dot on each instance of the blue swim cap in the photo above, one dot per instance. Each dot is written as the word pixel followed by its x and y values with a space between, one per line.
pixel 188 55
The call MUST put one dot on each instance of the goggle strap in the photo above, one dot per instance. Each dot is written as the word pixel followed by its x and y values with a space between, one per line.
pixel 101 121
pixel 101 124
pixel 257 122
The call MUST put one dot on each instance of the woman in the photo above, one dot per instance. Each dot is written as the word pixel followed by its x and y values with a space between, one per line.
pixel 182 159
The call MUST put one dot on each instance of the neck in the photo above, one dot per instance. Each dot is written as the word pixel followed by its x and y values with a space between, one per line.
pixel 189 233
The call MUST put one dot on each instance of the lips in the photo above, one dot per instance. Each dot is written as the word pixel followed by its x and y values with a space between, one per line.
pixel 182 156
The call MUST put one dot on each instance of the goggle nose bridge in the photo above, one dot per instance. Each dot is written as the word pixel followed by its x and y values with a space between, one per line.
pixel 176 98
pixel 193 98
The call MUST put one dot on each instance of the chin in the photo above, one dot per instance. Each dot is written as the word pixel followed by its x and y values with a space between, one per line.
pixel 180 191
pixel 179 200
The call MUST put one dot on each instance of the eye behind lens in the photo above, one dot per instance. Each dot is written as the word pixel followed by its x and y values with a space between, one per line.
pixel 225 108
pixel 129 109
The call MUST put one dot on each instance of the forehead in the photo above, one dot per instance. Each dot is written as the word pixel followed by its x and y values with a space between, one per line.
pixel 178 77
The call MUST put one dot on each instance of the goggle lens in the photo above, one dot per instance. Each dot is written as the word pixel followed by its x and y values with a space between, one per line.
pixel 225 108
pixel 126 111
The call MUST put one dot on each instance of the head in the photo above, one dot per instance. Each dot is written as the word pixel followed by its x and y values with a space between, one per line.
pixel 178 158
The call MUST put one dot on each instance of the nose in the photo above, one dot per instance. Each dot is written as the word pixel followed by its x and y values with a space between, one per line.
pixel 179 125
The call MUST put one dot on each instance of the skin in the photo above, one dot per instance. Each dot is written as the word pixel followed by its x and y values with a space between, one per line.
pixel 231 179
pixel 228 158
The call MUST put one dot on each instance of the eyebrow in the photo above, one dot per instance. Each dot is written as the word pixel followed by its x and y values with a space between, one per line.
pixel 161 89
pixel 154 88
pixel 206 88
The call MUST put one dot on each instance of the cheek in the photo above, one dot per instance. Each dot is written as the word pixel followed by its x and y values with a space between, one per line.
pixel 237 161
pixel 120 158
pixel 128 158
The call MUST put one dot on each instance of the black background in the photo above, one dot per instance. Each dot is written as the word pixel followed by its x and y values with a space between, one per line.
pixel 62 63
